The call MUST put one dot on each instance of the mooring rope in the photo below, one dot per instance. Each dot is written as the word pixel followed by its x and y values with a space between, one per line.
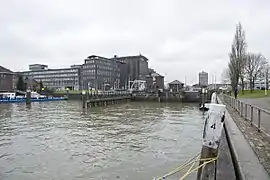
pixel 191 162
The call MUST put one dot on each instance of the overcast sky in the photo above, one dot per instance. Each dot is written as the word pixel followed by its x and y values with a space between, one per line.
pixel 180 38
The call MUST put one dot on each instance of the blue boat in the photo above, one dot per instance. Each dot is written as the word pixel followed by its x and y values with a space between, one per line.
pixel 11 98
pixel 21 100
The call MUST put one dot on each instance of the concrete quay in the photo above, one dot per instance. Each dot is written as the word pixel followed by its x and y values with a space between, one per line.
pixel 188 96
pixel 243 150
pixel 106 101
pixel 250 149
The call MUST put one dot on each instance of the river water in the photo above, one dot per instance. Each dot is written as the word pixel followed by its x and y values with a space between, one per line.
pixel 60 141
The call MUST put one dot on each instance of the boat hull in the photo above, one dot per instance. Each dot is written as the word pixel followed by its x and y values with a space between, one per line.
pixel 32 100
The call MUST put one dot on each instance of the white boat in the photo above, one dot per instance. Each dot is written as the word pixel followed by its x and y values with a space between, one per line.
pixel 8 95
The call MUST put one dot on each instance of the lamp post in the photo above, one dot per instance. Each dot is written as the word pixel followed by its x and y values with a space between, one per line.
pixel 83 99
pixel 204 91
pixel 266 79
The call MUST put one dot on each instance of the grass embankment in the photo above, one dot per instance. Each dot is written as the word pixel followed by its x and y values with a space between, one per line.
pixel 253 94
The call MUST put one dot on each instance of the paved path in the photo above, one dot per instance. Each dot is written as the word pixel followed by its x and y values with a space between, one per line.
pixel 258 141
pixel 260 102
pixel 263 103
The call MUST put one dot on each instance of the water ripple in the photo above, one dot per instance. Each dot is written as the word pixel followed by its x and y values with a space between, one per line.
pixel 126 141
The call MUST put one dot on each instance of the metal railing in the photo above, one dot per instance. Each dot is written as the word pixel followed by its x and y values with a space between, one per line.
pixel 258 117
pixel 105 94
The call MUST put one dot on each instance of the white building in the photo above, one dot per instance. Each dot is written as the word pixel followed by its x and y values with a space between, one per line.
pixel 57 79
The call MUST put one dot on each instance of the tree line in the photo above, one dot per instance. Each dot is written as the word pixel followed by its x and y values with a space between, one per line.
pixel 243 65
pixel 38 86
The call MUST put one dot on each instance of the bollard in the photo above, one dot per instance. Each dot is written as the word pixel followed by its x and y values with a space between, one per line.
pixel 28 96
pixel 213 127
pixel 83 99
pixel 67 92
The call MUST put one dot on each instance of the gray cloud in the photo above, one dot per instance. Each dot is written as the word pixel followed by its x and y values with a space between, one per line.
pixel 180 38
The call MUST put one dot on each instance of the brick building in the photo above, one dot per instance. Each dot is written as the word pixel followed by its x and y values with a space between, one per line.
pixel 6 79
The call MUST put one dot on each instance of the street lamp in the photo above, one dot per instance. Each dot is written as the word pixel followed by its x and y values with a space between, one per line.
pixel 266 79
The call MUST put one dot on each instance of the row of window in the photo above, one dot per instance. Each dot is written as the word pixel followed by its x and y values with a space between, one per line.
pixel 102 62
pixel 60 83
pixel 55 79
pixel 110 68
pixel 90 71
pixel 107 73
pixel 74 75
pixel 67 71
pixel 88 77
pixel 88 66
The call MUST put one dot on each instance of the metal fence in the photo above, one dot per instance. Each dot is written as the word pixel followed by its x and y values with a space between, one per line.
pixel 258 117
pixel 96 94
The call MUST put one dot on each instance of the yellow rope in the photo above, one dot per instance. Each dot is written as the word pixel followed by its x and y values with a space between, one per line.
pixel 190 170
pixel 195 169
pixel 178 168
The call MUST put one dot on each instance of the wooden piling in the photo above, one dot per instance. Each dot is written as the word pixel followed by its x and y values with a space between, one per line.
pixel 28 96
pixel 83 99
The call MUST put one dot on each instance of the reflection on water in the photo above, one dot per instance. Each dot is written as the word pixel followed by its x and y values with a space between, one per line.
pixel 59 140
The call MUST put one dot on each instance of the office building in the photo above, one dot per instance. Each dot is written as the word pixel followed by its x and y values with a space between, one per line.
pixel 203 79
pixel 38 67
pixel 100 73
pixel 6 79
pixel 55 79
pixel 96 73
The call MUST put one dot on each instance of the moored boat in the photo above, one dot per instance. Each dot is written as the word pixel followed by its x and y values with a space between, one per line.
pixel 35 97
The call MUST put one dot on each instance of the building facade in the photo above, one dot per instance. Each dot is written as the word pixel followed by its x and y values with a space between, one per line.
pixel 159 80
pixel 55 79
pixel 38 67
pixel 203 79
pixel 100 73
pixel 6 79
pixel 176 86
pixel 123 67
pixel 137 67
pixel 154 82
pixel 96 73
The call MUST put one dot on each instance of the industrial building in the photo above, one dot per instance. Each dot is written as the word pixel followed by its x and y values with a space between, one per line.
pixel 100 73
pixel 6 79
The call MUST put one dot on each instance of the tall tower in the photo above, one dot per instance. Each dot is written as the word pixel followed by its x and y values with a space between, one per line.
pixel 203 79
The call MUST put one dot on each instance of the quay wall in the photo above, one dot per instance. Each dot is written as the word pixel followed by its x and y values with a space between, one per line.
pixel 188 96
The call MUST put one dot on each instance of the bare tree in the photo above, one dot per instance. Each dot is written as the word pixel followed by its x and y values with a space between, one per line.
pixel 225 76
pixel 254 65
pixel 238 57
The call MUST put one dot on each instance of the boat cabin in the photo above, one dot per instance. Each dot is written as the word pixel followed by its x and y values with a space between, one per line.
pixel 7 95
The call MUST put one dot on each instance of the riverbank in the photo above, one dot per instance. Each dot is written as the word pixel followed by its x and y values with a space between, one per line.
pixel 253 94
